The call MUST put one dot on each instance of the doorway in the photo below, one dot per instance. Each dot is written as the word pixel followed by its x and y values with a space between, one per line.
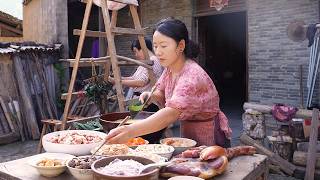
pixel 223 39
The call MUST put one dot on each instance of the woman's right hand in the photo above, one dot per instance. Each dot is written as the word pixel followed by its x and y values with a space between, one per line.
pixel 144 96
pixel 119 135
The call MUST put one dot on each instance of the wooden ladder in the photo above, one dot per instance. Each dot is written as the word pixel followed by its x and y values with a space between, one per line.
pixel 110 31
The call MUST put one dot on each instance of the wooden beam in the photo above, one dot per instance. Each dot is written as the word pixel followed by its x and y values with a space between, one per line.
pixel 311 160
pixel 130 31
pixel 286 166
pixel 119 1
pixel 11 28
pixel 116 30
pixel 87 62
pixel 300 158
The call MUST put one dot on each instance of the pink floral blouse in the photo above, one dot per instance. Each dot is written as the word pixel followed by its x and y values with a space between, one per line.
pixel 193 93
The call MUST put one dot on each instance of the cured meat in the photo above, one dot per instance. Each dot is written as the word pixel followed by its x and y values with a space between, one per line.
pixel 195 167
pixel 212 152
pixel 240 150
pixel 192 152
pixel 204 162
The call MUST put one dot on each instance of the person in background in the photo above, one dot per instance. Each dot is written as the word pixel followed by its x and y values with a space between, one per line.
pixel 139 81
pixel 186 91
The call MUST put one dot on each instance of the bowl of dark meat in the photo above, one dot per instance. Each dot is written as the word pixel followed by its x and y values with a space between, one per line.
pixel 80 167
pixel 123 168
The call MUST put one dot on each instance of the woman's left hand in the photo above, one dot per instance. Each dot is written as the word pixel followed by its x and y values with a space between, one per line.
pixel 119 135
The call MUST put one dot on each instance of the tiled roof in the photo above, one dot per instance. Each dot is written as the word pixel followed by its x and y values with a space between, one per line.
pixel 8 48
pixel 11 20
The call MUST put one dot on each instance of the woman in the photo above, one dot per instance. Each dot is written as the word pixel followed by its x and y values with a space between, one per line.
pixel 139 81
pixel 185 89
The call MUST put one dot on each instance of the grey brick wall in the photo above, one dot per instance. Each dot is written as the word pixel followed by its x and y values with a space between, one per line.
pixel 151 13
pixel 273 59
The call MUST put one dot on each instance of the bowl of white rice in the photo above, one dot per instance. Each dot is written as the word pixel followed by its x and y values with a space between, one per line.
pixel 123 168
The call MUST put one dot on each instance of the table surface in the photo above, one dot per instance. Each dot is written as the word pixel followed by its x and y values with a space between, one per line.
pixel 242 167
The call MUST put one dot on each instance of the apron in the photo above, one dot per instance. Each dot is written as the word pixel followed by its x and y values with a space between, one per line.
pixel 206 132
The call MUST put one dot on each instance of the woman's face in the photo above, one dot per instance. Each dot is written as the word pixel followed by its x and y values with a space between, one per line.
pixel 165 48
pixel 138 53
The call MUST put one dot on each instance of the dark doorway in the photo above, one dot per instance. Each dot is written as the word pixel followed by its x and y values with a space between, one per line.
pixel 223 38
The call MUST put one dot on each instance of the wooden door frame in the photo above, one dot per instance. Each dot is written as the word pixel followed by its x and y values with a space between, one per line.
pixel 195 37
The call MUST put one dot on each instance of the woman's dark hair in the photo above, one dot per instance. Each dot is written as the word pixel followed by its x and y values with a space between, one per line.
pixel 136 44
pixel 178 31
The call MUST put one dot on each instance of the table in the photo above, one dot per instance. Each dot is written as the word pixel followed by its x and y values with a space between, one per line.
pixel 240 168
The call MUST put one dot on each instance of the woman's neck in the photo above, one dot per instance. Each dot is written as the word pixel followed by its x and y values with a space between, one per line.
pixel 176 67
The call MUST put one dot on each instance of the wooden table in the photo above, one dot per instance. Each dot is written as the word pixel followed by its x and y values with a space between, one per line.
pixel 240 168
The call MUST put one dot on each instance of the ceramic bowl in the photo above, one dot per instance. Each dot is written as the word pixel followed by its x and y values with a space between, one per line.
pixel 179 144
pixel 50 171
pixel 74 149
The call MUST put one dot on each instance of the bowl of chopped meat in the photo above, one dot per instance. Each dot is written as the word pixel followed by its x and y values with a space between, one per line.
pixel 80 167
pixel 75 142
pixel 123 168
pixel 179 144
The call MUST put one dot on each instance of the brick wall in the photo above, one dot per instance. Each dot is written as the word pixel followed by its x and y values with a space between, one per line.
pixel 150 13
pixel 274 59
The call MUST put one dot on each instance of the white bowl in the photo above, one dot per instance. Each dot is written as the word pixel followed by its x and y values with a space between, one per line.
pixel 154 148
pixel 80 174
pixel 50 171
pixel 179 149
pixel 74 149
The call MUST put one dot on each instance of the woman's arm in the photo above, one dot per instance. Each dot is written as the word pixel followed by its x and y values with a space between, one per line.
pixel 129 81
pixel 156 98
pixel 156 122
pixel 133 83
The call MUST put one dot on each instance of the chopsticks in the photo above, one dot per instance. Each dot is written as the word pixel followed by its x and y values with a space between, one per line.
pixel 128 117
pixel 122 123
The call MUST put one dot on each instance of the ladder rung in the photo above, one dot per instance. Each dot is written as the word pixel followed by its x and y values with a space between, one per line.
pixel 101 63
pixel 74 94
pixel 117 31
pixel 86 62
pixel 120 1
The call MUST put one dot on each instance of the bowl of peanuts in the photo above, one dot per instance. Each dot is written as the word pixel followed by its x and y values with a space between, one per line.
pixel 50 164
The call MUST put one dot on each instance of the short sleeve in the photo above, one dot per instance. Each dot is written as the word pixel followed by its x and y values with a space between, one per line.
pixel 189 96
pixel 141 74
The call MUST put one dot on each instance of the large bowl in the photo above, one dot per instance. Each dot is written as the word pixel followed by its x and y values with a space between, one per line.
pixel 188 143
pixel 151 175
pixel 50 171
pixel 74 149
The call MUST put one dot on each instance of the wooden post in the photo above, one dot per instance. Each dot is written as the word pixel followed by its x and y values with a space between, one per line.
pixel 26 98
pixel 76 65
pixel 311 160
pixel 274 158
pixel 137 25
pixel 113 55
